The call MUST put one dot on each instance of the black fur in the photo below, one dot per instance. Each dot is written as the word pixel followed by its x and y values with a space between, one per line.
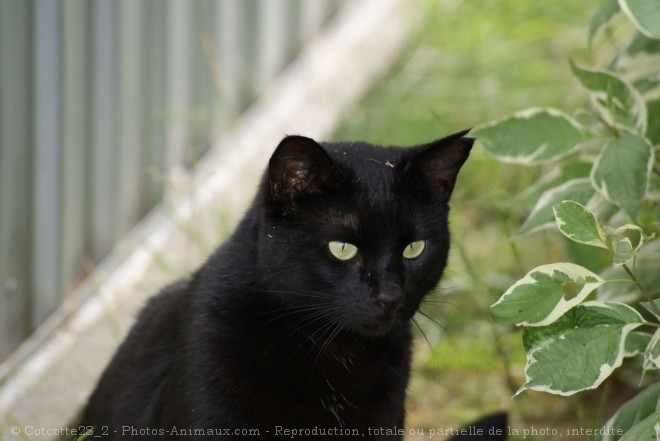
pixel 275 332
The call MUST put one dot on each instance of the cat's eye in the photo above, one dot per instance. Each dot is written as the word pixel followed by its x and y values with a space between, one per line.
pixel 414 249
pixel 342 250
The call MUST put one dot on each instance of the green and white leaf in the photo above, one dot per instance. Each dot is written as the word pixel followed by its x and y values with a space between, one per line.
pixel 651 309
pixel 617 101
pixel 545 294
pixel 584 347
pixel 652 354
pixel 643 237
pixel 622 170
pixel 601 17
pixel 638 65
pixel 531 136
pixel 622 247
pixel 636 343
pixel 647 272
pixel 555 177
pixel 647 429
pixel 579 224
pixel 644 14
pixel 602 208
pixel 541 217
pixel 653 130
pixel 623 251
pixel 631 413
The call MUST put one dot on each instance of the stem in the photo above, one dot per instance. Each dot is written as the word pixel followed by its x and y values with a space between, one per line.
pixel 504 357
pixel 604 398
pixel 607 125
pixel 648 296
pixel 618 281
pixel 515 252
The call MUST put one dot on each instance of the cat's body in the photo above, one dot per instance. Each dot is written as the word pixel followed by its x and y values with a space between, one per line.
pixel 277 333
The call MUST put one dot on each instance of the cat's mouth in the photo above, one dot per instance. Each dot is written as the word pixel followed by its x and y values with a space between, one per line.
pixel 379 321
pixel 378 328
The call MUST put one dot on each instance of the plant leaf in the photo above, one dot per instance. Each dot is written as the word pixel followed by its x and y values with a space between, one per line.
pixel 579 224
pixel 647 429
pixel 545 294
pixel 623 251
pixel 644 14
pixel 653 130
pixel 636 343
pixel 622 247
pixel 638 64
pixel 616 101
pixel 532 136
pixel 579 190
pixel 601 17
pixel 652 354
pixel 622 170
pixel 651 309
pixel 585 346
pixel 631 413
pixel 647 272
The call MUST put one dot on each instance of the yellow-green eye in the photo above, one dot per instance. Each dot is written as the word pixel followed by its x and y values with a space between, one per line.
pixel 414 249
pixel 342 250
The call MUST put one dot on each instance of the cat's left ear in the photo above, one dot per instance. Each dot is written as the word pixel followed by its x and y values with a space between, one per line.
pixel 439 161
pixel 298 168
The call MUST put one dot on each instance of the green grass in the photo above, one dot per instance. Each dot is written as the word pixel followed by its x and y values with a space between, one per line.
pixel 470 62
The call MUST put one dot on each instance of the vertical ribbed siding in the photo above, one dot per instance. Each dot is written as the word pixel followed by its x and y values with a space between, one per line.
pixel 99 100
pixel 16 171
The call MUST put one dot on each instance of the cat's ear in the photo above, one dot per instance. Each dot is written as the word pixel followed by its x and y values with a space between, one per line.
pixel 439 161
pixel 298 168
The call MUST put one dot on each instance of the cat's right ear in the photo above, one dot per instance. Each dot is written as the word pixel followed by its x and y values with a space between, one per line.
pixel 440 161
pixel 298 168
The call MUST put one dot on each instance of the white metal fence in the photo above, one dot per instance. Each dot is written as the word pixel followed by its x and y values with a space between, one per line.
pixel 99 99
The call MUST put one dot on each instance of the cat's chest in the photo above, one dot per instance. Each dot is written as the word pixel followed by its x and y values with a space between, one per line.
pixel 337 404
pixel 343 391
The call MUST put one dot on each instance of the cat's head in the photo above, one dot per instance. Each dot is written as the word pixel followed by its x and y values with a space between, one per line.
pixel 356 235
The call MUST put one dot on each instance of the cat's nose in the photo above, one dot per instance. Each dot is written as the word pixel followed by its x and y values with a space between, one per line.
pixel 390 299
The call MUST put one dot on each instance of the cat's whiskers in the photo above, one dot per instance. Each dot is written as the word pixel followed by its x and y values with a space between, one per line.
pixel 305 322
pixel 289 310
pixel 312 294
pixel 444 331
pixel 434 359
pixel 334 331
pixel 311 337
pixel 327 312
pixel 439 303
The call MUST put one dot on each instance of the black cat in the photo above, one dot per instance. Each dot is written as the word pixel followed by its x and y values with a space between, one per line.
pixel 299 325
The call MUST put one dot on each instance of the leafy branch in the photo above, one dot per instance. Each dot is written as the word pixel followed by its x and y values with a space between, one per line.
pixel 576 329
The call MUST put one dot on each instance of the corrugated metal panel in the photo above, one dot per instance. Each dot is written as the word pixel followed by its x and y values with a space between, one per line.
pixel 153 174
pixel 102 147
pixel 74 151
pixel 99 100
pixel 227 37
pixel 16 140
pixel 47 207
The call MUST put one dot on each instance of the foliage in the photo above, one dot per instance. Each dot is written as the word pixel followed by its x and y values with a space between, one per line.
pixel 580 325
